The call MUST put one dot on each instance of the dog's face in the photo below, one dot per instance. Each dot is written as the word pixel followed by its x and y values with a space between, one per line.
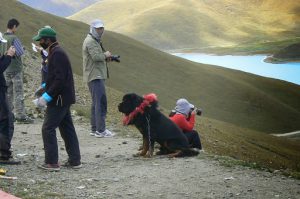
pixel 129 103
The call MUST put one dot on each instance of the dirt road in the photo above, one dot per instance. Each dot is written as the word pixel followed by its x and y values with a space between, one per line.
pixel 110 171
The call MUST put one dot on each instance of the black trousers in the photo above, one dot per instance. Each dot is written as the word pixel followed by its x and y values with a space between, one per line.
pixel 194 139
pixel 60 117
pixel 5 134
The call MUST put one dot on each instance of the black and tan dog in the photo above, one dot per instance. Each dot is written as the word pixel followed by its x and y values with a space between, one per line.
pixel 154 126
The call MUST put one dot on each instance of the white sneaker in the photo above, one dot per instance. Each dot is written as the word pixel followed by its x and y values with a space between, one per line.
pixel 93 133
pixel 108 134
pixel 99 135
pixel 104 134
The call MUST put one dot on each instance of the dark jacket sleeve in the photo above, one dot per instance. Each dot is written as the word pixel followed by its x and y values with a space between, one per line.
pixel 60 74
pixel 4 63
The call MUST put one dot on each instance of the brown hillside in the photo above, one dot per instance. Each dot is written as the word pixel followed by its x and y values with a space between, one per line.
pixel 191 24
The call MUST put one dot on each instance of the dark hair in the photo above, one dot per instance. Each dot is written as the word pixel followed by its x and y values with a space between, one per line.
pixel 12 22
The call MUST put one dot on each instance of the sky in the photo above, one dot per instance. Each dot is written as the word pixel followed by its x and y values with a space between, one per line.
pixel 61 8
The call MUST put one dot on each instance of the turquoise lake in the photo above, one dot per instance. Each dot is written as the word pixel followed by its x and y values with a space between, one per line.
pixel 252 64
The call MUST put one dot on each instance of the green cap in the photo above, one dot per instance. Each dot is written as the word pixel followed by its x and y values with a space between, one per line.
pixel 44 32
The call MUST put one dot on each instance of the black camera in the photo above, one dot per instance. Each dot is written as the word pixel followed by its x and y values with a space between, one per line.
pixel 115 58
pixel 198 111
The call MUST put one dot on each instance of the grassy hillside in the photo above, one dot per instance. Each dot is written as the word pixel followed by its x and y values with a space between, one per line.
pixel 245 100
pixel 197 25
pixel 289 53
pixel 239 109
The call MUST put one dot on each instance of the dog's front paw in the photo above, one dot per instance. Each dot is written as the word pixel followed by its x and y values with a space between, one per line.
pixel 140 153
pixel 148 154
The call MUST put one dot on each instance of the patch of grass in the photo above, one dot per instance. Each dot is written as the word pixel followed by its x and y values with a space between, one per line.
pixel 232 162
pixel 83 111
pixel 293 174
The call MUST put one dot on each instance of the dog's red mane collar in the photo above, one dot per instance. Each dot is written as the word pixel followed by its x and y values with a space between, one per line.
pixel 148 99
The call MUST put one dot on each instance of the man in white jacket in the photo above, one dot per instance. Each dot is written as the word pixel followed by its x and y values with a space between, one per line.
pixel 95 72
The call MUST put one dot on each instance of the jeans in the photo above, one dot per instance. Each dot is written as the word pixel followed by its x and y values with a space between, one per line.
pixel 194 139
pixel 57 116
pixel 99 105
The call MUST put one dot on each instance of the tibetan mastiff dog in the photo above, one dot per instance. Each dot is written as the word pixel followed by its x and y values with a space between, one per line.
pixel 142 112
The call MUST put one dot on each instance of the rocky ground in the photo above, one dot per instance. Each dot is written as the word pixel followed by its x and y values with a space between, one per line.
pixel 110 171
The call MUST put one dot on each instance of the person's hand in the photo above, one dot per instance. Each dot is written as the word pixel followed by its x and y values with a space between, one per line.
pixel 41 102
pixel 107 56
pixel 11 51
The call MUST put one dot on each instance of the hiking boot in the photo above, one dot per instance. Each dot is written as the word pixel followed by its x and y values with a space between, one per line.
pixel 72 166
pixel 49 167
pixel 10 161
pixel 24 120
pixel 104 134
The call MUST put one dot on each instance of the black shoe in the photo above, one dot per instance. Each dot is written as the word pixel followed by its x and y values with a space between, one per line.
pixel 9 161
pixel 72 166
pixel 25 120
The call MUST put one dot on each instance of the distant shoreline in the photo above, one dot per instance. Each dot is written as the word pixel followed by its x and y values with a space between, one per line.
pixel 273 60
pixel 268 59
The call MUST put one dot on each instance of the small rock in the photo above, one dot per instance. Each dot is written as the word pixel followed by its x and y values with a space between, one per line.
pixel 116 179
pixel 97 156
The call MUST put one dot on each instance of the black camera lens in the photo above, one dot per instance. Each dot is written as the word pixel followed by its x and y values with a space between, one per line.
pixel 115 58
pixel 199 112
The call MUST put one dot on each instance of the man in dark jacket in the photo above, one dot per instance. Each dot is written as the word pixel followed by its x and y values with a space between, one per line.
pixel 5 112
pixel 58 96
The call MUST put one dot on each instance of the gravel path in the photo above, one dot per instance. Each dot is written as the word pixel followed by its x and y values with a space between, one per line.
pixel 110 171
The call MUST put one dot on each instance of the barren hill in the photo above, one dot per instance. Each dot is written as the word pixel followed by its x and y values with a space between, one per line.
pixel 196 24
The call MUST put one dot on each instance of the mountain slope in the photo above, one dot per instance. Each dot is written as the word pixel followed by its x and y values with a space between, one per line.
pixel 239 98
pixel 196 24
pixel 289 53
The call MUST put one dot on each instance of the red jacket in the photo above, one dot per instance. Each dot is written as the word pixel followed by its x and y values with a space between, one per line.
pixel 182 122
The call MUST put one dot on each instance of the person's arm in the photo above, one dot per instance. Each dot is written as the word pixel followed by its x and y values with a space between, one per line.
pixel 4 62
pixel 6 59
pixel 94 49
pixel 60 61
pixel 183 123
pixel 18 46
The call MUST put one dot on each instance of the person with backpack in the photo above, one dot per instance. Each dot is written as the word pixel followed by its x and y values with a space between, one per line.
pixel 14 74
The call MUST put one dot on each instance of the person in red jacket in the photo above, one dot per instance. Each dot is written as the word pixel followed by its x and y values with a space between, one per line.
pixel 184 117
